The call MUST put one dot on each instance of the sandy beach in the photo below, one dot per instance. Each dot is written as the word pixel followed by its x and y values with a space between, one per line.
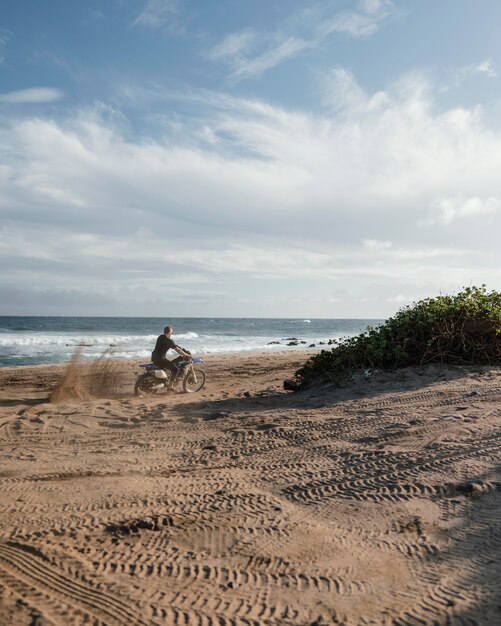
pixel 375 504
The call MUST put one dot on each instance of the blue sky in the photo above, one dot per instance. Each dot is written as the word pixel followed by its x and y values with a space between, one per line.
pixel 236 158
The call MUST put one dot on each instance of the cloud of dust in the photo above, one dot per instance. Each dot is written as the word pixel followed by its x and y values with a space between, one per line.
pixel 88 381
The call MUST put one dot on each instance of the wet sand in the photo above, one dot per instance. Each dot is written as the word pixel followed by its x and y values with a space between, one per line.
pixel 374 504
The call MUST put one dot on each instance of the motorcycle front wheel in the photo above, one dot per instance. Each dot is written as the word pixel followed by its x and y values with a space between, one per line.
pixel 146 385
pixel 194 380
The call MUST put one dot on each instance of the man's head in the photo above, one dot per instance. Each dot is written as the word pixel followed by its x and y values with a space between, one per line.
pixel 168 331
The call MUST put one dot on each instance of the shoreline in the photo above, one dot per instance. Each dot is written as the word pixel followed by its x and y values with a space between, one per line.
pixel 208 358
pixel 37 381
pixel 213 355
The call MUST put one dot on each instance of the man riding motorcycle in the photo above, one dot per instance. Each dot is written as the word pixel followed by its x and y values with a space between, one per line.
pixel 158 356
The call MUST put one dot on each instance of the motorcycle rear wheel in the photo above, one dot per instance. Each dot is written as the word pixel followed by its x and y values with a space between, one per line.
pixel 145 385
pixel 194 380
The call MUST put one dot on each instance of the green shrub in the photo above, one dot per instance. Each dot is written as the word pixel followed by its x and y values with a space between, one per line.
pixel 463 329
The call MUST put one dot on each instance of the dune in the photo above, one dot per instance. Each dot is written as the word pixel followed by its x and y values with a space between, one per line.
pixel 375 503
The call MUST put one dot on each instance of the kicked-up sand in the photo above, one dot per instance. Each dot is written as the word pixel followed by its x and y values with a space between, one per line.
pixel 243 504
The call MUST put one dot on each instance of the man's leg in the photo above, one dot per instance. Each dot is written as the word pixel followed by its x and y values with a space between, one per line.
pixel 176 371
pixel 172 367
pixel 166 364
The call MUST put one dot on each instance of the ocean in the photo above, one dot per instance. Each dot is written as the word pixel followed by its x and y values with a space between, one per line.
pixel 38 340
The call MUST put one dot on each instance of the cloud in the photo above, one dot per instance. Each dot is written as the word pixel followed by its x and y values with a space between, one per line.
pixel 220 261
pixel 375 6
pixel 350 23
pixel 392 147
pixel 278 199
pixel 233 44
pixel 159 14
pixel 237 48
pixel 5 37
pixel 450 209
pixel 249 54
pixel 33 95
pixel 401 299
pixel 485 67
pixel 286 49
pixel 374 244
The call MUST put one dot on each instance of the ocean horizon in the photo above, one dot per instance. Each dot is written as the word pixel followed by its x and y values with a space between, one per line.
pixel 36 340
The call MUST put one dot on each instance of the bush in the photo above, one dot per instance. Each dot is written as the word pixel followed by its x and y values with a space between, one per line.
pixel 462 329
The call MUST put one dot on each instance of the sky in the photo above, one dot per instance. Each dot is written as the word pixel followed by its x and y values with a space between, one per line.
pixel 237 158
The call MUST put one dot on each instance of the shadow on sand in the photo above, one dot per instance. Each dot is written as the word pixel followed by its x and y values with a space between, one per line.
pixel 328 395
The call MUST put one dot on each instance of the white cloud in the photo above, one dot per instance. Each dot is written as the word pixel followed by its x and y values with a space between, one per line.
pixel 350 23
pixel 222 260
pixel 375 6
pixel 34 95
pixel 233 44
pixel 485 67
pixel 249 54
pixel 401 299
pixel 374 244
pixel 343 94
pixel 248 68
pixel 277 196
pixel 158 14
pixel 450 209
pixel 391 147
pixel 5 36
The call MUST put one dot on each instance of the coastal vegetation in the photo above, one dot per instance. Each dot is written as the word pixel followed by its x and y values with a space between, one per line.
pixel 464 328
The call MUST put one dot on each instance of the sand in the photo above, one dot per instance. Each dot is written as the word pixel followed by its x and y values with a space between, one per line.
pixel 378 503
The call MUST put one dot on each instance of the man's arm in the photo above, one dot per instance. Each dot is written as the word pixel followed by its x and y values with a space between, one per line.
pixel 180 351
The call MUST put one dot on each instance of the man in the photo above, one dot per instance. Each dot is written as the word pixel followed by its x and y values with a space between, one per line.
pixel 159 358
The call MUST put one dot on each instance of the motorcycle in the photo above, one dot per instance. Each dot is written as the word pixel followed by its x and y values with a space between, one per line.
pixel 155 380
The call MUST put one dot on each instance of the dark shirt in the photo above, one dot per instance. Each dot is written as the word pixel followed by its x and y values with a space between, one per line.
pixel 161 347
